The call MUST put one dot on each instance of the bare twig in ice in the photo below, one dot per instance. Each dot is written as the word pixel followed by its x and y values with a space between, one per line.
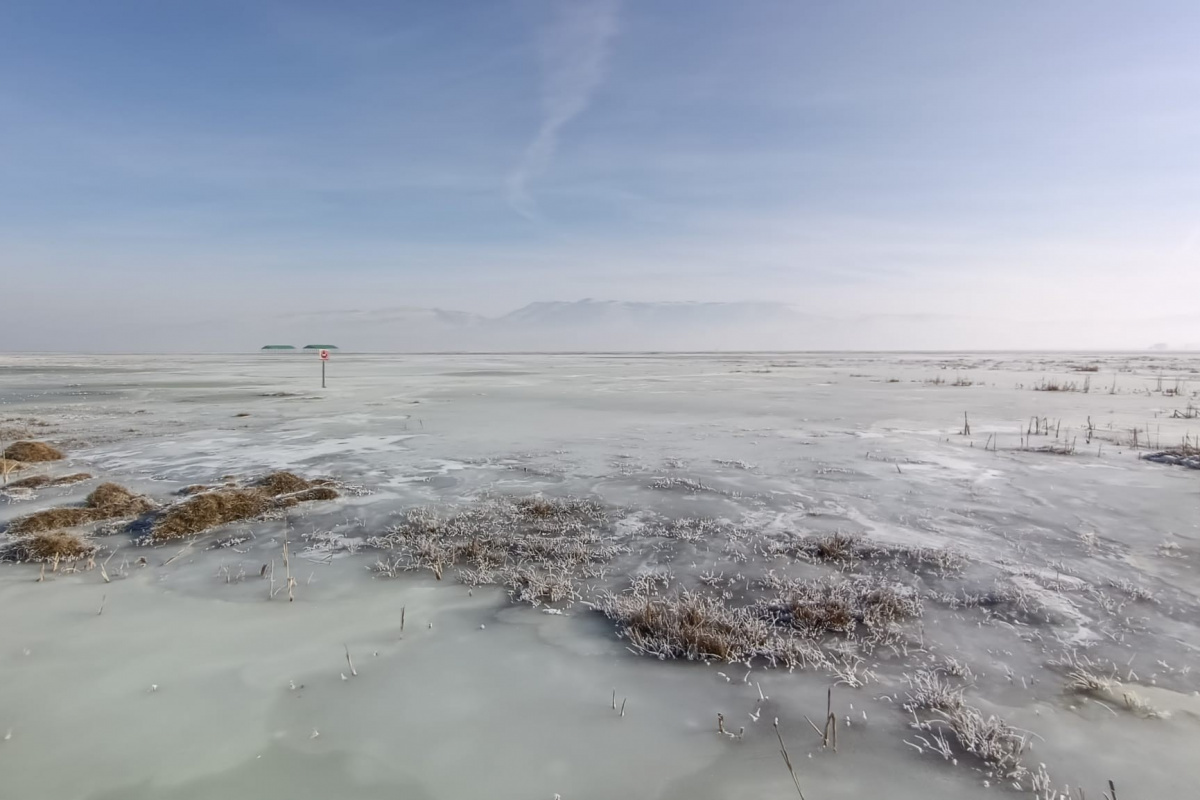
pixel 787 760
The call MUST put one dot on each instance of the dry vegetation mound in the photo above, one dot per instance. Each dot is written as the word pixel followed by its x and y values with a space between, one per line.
pixel 206 508
pixel 51 546
pixel 805 623
pixel 310 495
pixel 847 550
pixel 107 501
pixel 278 483
pixel 1184 455
pixel 537 547
pixel 42 481
pixel 51 519
pixel 32 451
pixel 210 509
pixel 8 466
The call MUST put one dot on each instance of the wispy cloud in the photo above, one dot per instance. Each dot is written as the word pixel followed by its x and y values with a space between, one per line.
pixel 574 50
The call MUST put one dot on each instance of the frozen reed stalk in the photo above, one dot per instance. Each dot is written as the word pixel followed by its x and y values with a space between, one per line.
pixel 623 702
pixel 614 703
pixel 720 723
pixel 287 566
pixel 829 734
pixel 402 610
pixel 350 661
pixel 102 601
pixel 787 759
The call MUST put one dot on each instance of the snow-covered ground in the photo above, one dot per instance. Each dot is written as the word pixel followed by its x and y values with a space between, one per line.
pixel 193 683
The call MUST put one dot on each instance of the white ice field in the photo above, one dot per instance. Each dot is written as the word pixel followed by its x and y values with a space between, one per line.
pixel 1005 604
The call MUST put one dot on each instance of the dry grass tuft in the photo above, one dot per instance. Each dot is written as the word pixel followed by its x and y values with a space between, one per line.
pixel 310 495
pixel 538 547
pixel 279 483
pixel 42 481
pixel 699 627
pixel 52 546
pixel 844 550
pixel 30 452
pixel 207 508
pixel 834 547
pixel 8 466
pixel 107 501
pixel 990 739
pixel 931 689
pixel 51 519
pixel 871 609
pixel 822 624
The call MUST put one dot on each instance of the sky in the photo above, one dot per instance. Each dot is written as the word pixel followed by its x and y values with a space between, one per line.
pixel 177 175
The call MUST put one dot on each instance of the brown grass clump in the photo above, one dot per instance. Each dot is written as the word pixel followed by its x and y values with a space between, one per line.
pixel 209 508
pixel 107 501
pixel 537 508
pixel 835 547
pixel 310 495
pixel 54 546
pixel 41 481
pixel 844 550
pixel 51 519
pixel 278 483
pixel 700 627
pixel 8 466
pixel 32 451
pixel 691 626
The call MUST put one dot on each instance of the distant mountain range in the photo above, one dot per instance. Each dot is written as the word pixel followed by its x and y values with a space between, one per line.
pixel 611 325
pixel 599 325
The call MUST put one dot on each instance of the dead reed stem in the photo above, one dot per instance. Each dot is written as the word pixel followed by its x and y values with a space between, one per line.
pixel 287 566
pixel 787 760
pixel 350 661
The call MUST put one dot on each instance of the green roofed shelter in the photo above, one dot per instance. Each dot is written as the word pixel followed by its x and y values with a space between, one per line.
pixel 320 347
pixel 279 347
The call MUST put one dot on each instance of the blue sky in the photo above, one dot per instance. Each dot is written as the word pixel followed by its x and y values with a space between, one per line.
pixel 167 161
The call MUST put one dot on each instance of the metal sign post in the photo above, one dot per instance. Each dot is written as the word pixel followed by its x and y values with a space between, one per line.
pixel 324 358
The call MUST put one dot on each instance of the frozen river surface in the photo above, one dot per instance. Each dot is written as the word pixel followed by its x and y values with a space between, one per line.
pixel 1032 564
